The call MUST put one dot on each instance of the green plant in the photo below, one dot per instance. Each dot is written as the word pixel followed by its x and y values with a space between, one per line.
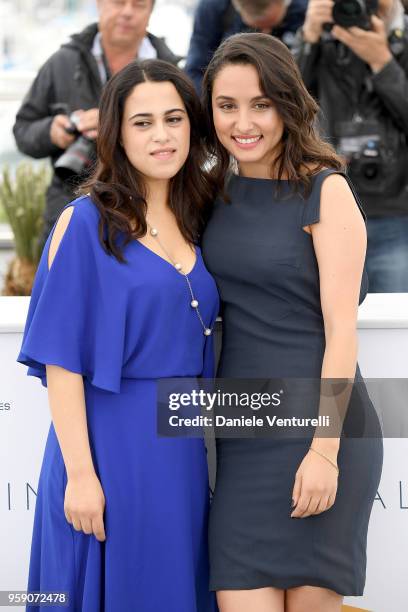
pixel 23 201
pixel 3 217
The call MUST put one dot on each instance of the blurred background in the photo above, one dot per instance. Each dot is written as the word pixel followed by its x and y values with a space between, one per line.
pixel 30 31
pixel 360 81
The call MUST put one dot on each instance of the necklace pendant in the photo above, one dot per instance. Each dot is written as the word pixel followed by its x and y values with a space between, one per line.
pixel 194 304
pixel 154 232
pixel 207 331
pixel 178 267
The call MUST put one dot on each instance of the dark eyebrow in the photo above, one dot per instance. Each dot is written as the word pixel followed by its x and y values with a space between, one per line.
pixel 168 112
pixel 253 99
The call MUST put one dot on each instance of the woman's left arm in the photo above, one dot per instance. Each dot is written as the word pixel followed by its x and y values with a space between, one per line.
pixel 340 242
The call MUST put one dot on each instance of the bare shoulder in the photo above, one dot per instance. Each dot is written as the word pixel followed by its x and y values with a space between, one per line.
pixel 337 201
pixel 335 181
pixel 59 232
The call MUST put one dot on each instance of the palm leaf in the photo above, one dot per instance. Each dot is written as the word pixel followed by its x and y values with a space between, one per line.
pixel 23 201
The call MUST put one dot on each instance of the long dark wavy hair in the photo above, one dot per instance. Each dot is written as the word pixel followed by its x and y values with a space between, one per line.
pixel 303 152
pixel 117 188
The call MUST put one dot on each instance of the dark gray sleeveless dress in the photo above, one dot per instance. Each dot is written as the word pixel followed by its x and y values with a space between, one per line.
pixel 267 274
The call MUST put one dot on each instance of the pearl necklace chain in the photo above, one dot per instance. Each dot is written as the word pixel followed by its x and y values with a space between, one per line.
pixel 194 302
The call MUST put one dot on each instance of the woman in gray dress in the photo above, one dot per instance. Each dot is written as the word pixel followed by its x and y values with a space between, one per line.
pixel 286 243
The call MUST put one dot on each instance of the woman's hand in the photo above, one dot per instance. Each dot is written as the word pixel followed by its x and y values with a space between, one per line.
pixel 315 486
pixel 84 504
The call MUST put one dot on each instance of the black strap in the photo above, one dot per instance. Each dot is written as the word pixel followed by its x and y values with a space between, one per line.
pixel 106 66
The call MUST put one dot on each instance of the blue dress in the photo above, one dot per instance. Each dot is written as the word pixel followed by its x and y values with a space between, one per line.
pixel 122 326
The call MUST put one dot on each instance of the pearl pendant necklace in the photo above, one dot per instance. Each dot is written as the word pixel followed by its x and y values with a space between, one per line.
pixel 193 302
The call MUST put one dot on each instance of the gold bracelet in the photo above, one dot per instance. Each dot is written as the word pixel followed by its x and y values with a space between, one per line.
pixel 325 457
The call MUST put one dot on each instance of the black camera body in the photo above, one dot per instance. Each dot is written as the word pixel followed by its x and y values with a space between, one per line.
pixel 349 13
pixel 376 159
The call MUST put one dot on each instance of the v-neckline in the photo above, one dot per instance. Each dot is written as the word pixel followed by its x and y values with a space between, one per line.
pixel 196 250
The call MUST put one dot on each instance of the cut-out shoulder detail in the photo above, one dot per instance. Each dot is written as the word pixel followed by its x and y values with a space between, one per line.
pixel 59 232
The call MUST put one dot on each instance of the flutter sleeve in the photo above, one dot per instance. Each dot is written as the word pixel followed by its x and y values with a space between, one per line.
pixel 74 319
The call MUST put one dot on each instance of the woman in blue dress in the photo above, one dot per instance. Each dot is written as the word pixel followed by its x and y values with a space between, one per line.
pixel 289 518
pixel 122 298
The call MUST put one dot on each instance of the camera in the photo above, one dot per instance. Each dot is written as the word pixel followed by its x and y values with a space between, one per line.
pixel 376 159
pixel 79 157
pixel 349 13
pixel 368 164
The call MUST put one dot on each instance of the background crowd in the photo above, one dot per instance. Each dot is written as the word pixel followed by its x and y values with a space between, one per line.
pixel 352 54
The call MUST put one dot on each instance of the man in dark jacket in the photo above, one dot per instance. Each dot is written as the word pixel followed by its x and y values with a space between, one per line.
pixel 71 81
pixel 215 20
pixel 360 79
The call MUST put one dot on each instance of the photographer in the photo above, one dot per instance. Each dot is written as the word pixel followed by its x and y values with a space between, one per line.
pixel 215 20
pixel 353 56
pixel 59 115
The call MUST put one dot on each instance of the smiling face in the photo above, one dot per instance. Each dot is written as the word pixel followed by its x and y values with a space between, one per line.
pixel 124 22
pixel 155 130
pixel 246 122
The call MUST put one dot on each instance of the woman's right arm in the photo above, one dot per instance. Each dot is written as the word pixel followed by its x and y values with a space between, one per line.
pixel 84 498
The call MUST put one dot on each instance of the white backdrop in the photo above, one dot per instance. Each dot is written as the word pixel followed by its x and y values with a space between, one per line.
pixel 24 422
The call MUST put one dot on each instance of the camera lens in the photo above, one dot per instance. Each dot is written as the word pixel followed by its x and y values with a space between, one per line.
pixel 371 170
pixel 348 13
pixel 351 8
pixel 78 158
